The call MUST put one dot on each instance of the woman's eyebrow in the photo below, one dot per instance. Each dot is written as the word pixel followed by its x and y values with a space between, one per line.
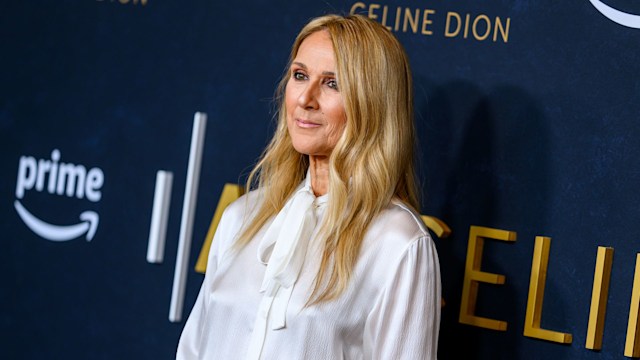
pixel 300 64
pixel 303 66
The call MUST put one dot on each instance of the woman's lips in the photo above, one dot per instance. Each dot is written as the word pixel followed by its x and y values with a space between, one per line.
pixel 306 124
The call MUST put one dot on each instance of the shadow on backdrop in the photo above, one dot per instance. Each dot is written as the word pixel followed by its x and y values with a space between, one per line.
pixel 484 158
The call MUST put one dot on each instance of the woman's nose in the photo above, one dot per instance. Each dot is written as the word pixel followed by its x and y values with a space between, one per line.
pixel 308 97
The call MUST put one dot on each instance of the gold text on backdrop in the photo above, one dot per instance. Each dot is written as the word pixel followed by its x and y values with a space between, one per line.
pixel 424 21
pixel 474 276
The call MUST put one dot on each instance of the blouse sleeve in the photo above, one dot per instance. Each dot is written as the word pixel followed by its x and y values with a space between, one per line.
pixel 189 344
pixel 405 320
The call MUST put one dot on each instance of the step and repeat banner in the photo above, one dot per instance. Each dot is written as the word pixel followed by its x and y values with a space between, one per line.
pixel 528 116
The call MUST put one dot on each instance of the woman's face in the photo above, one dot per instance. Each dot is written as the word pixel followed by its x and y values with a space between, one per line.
pixel 314 105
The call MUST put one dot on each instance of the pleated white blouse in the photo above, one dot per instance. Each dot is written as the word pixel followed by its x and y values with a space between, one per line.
pixel 390 309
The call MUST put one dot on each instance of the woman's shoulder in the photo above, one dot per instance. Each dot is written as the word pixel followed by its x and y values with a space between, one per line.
pixel 397 229
pixel 402 221
pixel 396 238
pixel 244 205
pixel 238 212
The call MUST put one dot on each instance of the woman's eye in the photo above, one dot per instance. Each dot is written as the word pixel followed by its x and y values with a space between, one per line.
pixel 332 84
pixel 298 75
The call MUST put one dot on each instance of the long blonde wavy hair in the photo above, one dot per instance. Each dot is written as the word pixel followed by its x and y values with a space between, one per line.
pixel 372 161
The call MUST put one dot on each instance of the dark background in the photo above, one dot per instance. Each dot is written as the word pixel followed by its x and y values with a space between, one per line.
pixel 537 135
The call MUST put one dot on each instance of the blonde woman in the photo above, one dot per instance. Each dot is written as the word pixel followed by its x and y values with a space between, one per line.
pixel 326 258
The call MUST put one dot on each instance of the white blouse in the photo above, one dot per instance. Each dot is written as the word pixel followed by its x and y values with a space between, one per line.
pixel 389 310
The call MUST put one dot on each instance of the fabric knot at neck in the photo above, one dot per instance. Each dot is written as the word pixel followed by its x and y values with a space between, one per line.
pixel 283 250
pixel 284 245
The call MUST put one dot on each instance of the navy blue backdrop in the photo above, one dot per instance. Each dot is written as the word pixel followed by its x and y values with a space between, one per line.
pixel 527 120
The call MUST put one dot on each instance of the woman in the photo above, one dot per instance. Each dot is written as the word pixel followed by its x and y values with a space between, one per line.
pixel 327 259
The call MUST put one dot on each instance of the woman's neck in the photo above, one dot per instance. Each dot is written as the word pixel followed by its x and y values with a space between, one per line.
pixel 319 170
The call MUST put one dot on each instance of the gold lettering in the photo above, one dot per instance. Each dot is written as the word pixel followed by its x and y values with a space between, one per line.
pixel 474 28
pixel 599 295
pixel 504 32
pixel 373 7
pixel 466 26
pixel 632 345
pixel 384 17
pixel 398 13
pixel 356 6
pixel 447 32
pixel 473 276
pixel 426 21
pixel 536 295
pixel 409 18
pixel 230 193
pixel 436 225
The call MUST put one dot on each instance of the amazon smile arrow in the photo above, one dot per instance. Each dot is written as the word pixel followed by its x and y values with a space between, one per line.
pixel 89 224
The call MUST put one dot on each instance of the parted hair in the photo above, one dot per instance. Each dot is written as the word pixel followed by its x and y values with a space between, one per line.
pixel 373 160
